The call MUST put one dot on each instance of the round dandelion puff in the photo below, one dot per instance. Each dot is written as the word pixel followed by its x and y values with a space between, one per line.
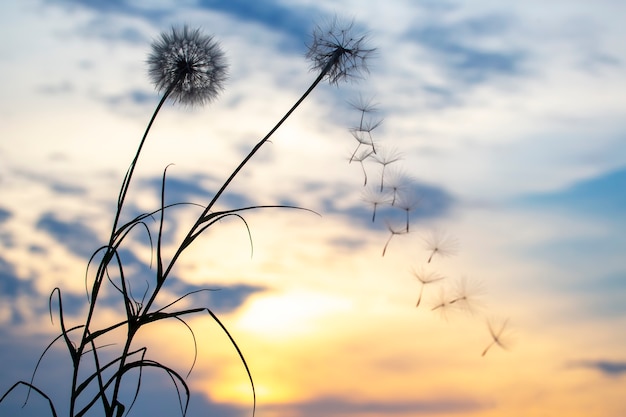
pixel 336 51
pixel 188 65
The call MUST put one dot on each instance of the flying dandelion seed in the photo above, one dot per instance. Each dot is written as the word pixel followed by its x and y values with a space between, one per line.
pixel 440 243
pixel 393 232
pixel 376 198
pixel 407 200
pixel 498 335
pixel 362 156
pixel 425 278
pixel 397 181
pixel 363 135
pixel 466 294
pixel 441 305
pixel 385 157
pixel 363 132
pixel 188 65
pixel 364 105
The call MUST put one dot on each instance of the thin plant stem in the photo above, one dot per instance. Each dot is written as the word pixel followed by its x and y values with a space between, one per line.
pixel 110 250
pixel 190 234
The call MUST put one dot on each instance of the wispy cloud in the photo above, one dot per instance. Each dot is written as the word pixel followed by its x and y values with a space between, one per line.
pixel 606 367
pixel 336 406
pixel 75 235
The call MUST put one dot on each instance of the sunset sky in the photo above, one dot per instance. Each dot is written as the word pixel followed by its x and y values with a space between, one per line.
pixel 509 123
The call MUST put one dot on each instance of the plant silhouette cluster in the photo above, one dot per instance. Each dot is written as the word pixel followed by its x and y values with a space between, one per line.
pixel 188 67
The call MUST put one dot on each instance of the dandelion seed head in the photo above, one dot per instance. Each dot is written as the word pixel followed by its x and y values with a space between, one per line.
pixel 190 64
pixel 338 52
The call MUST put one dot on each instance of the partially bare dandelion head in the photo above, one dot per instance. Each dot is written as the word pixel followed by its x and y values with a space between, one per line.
pixel 438 242
pixel 338 52
pixel 188 65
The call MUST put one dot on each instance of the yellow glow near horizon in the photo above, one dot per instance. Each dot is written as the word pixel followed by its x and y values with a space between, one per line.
pixel 281 315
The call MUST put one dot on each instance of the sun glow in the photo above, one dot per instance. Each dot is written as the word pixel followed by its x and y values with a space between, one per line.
pixel 289 313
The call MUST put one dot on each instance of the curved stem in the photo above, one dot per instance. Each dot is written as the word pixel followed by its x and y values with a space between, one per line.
pixel 131 168
pixel 332 61
pixel 110 251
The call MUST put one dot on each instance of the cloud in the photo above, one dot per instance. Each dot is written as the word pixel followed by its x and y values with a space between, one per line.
pixel 55 185
pixel 10 284
pixel 75 235
pixel 218 298
pixel 63 87
pixel 606 367
pixel 6 238
pixel 334 406
pixel 191 189
pixel 4 215
pixel 601 196
pixel 20 303
pixel 136 97
pixel 458 45
pixel 432 202
pixel 294 22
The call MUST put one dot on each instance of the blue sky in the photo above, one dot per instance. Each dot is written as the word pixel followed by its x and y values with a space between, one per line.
pixel 509 119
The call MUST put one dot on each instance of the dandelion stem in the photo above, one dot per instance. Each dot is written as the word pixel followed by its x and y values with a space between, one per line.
pixel 319 78
pixel 110 251
pixel 332 61
pixel 133 164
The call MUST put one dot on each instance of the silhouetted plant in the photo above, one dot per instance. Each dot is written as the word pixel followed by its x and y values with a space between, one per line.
pixel 188 67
